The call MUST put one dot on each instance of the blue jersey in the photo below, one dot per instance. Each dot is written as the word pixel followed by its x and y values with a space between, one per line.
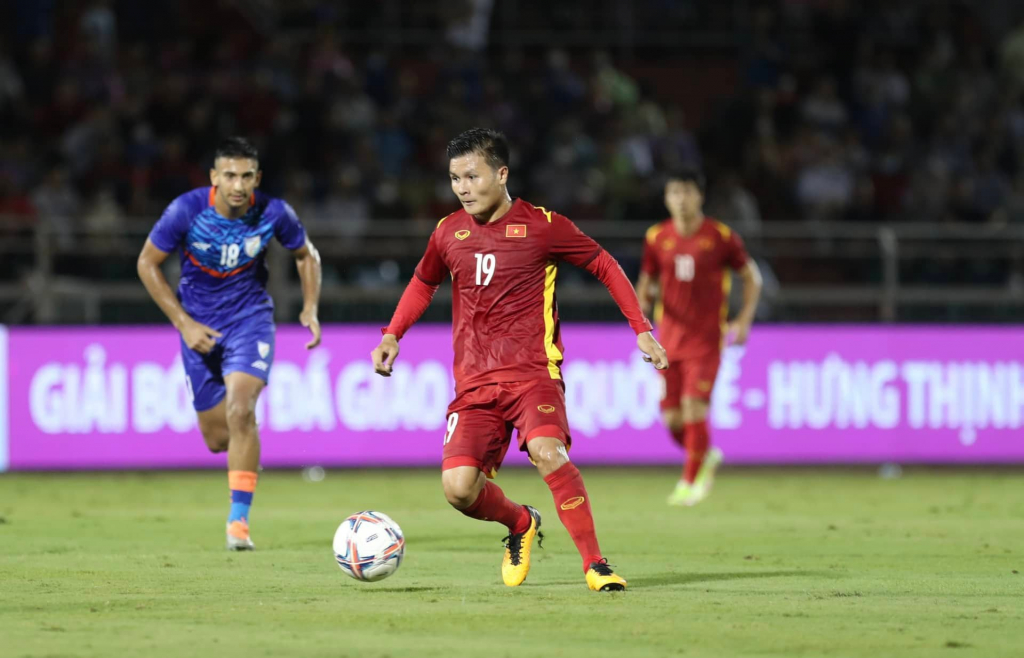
pixel 223 261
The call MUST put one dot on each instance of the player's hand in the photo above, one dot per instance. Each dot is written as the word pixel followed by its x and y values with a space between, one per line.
pixel 384 355
pixel 308 319
pixel 199 337
pixel 652 349
pixel 739 331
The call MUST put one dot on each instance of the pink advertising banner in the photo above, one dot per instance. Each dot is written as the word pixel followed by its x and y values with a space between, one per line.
pixel 97 398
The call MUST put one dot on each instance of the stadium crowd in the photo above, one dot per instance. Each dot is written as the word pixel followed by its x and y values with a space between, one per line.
pixel 877 111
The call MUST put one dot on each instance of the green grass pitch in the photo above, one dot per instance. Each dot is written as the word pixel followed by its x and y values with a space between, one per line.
pixel 775 563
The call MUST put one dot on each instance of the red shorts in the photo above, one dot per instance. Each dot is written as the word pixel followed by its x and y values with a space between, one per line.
pixel 689 378
pixel 481 420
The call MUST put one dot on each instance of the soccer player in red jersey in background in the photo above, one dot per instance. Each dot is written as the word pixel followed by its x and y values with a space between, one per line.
pixel 691 258
pixel 502 256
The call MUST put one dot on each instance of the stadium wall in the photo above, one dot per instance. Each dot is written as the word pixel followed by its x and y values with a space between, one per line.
pixel 115 398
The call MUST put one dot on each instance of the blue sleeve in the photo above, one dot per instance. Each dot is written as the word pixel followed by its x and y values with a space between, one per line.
pixel 170 231
pixel 288 229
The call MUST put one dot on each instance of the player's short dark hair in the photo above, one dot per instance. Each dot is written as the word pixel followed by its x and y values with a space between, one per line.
pixel 492 144
pixel 687 175
pixel 236 147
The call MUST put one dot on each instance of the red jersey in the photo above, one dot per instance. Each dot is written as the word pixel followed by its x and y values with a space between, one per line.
pixel 694 273
pixel 505 319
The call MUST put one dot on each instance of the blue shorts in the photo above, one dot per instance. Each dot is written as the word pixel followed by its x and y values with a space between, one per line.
pixel 247 346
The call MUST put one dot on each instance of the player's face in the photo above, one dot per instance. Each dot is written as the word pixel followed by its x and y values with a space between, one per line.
pixel 683 198
pixel 235 180
pixel 479 187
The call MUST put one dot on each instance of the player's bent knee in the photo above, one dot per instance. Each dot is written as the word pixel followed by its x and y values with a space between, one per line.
pixel 548 453
pixel 460 493
pixel 241 414
pixel 462 485
pixel 673 419
pixel 694 411
pixel 460 498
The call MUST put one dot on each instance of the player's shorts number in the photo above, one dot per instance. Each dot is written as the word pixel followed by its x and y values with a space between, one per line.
pixel 685 267
pixel 453 420
pixel 484 268
pixel 229 254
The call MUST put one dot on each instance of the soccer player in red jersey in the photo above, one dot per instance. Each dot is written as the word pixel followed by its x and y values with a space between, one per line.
pixel 691 258
pixel 502 256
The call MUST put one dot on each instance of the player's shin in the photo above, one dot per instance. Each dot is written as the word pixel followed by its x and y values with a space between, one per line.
pixel 242 485
pixel 573 505
pixel 492 505
pixel 678 435
pixel 243 464
pixel 696 442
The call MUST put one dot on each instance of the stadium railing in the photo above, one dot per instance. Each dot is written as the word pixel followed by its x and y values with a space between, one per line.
pixel 62 271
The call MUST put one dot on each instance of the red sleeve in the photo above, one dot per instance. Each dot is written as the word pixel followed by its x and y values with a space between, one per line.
pixel 649 262
pixel 735 252
pixel 607 269
pixel 411 306
pixel 431 269
pixel 567 242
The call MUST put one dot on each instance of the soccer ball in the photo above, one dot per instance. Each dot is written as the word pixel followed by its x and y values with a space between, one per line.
pixel 369 546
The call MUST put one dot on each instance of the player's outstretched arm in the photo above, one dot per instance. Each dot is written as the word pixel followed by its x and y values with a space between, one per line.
pixel 610 273
pixel 307 261
pixel 197 336
pixel 739 328
pixel 571 244
pixel 430 271
pixel 411 306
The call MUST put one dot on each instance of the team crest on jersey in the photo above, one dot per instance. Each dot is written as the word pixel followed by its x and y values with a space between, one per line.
pixel 706 244
pixel 668 244
pixel 461 235
pixel 546 409
pixel 263 349
pixel 515 231
pixel 252 246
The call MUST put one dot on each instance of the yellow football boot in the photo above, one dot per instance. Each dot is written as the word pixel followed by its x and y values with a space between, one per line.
pixel 516 563
pixel 601 578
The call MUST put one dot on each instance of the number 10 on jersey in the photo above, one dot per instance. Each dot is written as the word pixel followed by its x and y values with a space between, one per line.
pixel 685 267
pixel 484 269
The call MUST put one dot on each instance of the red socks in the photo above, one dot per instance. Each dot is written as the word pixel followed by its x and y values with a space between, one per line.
pixel 492 505
pixel 696 442
pixel 571 501
pixel 573 507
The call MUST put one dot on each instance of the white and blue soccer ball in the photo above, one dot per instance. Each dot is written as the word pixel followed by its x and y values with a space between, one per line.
pixel 369 546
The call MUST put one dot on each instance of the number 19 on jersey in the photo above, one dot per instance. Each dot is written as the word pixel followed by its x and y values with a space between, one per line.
pixel 484 268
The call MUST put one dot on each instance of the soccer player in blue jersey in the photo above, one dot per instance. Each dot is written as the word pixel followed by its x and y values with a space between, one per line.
pixel 222 309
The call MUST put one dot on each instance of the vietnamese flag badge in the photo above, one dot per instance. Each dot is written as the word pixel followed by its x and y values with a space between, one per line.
pixel 515 231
